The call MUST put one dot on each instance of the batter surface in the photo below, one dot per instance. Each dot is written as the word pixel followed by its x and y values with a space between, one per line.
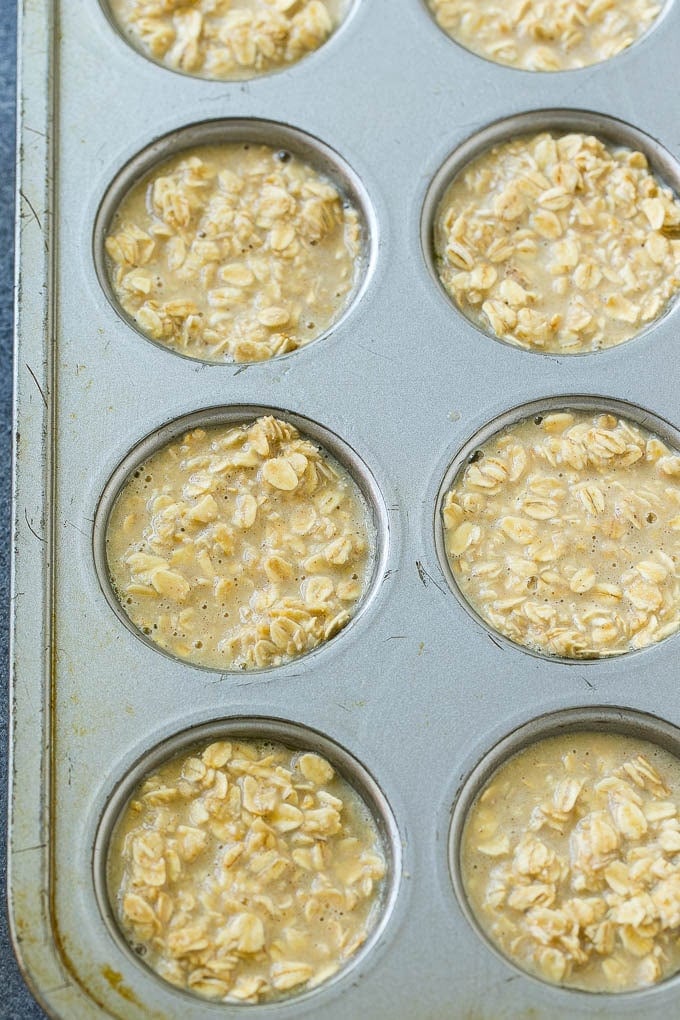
pixel 240 546
pixel 571 861
pixel 546 35
pixel 246 871
pixel 227 39
pixel 559 243
pixel 563 532
pixel 234 252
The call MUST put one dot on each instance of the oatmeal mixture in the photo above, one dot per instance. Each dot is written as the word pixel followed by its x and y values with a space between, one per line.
pixel 227 39
pixel 571 861
pixel 246 872
pixel 559 243
pixel 563 533
pixel 239 546
pixel 545 35
pixel 234 252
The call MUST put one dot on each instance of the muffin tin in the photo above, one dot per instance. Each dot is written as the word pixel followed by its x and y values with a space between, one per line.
pixel 415 689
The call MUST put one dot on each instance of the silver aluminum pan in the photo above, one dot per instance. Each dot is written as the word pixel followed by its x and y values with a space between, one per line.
pixel 417 691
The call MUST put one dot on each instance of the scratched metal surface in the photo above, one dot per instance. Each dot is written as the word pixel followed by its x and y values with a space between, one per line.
pixel 17 1004
pixel 416 690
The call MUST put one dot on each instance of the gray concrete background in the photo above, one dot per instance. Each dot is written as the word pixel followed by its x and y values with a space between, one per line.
pixel 16 1002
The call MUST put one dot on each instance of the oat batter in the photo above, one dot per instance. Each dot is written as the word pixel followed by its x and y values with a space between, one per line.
pixel 559 243
pixel 227 39
pixel 563 532
pixel 234 252
pixel 239 547
pixel 545 35
pixel 571 861
pixel 246 871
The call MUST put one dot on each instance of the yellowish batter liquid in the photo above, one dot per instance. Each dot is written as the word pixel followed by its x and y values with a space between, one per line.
pixel 234 252
pixel 571 861
pixel 246 871
pixel 239 547
pixel 228 39
pixel 564 534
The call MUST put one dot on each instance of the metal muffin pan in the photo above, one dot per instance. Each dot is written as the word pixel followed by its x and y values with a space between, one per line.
pixel 417 691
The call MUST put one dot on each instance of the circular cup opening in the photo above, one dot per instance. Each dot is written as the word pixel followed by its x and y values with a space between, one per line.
pixel 295 737
pixel 548 405
pixel 376 515
pixel 319 156
pixel 608 129
pixel 340 10
pixel 605 719
pixel 665 7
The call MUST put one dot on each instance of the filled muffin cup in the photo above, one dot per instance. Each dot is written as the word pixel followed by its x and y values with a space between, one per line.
pixel 247 860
